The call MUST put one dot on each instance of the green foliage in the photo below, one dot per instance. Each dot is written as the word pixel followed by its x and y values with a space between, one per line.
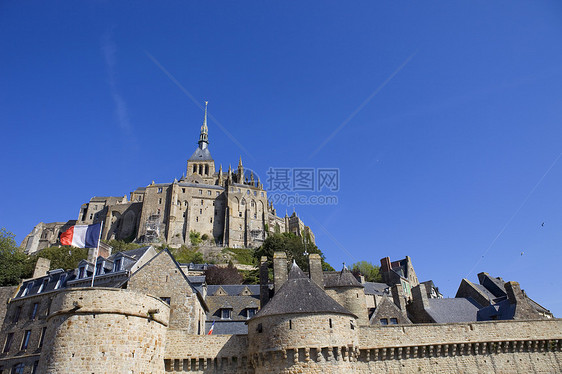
pixel 64 257
pixel 369 271
pixel 241 255
pixel 221 275
pixel 294 248
pixel 185 254
pixel 195 238
pixel 204 237
pixel 14 264
pixel 121 245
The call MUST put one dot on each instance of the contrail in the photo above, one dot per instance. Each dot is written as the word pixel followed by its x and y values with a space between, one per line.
pixel 514 214
pixel 336 241
pixel 365 102
pixel 194 100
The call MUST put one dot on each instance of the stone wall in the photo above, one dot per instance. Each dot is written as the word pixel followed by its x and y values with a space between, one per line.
pixel 214 353
pixel 105 330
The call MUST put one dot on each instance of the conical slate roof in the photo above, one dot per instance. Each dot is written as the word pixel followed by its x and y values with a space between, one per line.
pixel 201 155
pixel 341 279
pixel 301 295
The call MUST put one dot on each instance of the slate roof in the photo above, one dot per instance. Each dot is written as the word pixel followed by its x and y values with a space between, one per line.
pixel 452 310
pixel 201 155
pixel 227 327
pixel 374 288
pixel 301 295
pixel 238 304
pixel 502 310
pixel 342 279
pixel 233 289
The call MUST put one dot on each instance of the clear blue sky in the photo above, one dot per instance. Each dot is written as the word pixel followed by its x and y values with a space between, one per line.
pixel 444 118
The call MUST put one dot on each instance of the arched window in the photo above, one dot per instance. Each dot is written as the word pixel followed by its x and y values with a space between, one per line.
pixel 206 169
pixel 194 169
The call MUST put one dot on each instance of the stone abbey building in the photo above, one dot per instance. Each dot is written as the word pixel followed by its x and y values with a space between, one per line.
pixel 231 207
pixel 147 314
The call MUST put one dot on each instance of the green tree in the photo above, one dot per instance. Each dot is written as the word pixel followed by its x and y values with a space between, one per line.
pixel 293 246
pixel 14 264
pixel 185 255
pixel 121 245
pixel 64 257
pixel 369 271
pixel 195 238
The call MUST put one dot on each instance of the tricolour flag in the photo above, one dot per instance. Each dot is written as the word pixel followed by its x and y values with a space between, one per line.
pixel 211 329
pixel 82 236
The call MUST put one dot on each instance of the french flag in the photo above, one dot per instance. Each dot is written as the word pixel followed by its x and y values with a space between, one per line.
pixel 82 236
pixel 211 329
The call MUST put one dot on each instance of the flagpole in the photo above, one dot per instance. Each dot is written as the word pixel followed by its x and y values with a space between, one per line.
pixel 96 256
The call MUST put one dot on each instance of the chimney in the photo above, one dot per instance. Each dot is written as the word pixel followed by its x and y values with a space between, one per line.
pixel 41 267
pixel 264 281
pixel 385 268
pixel 419 296
pixel 514 293
pixel 398 297
pixel 279 269
pixel 315 268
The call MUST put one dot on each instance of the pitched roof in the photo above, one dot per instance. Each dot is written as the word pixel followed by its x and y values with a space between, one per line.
pixel 374 288
pixel 301 295
pixel 227 327
pixel 342 279
pixel 201 155
pixel 452 310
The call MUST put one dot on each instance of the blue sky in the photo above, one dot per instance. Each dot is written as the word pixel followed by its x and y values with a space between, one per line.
pixel 443 118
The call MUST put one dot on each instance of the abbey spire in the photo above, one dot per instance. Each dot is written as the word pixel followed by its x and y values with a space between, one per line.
pixel 204 136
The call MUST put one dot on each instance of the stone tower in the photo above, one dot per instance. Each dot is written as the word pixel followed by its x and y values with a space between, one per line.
pixel 201 162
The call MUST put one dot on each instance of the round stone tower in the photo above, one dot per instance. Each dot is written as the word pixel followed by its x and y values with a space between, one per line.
pixel 346 290
pixel 302 328
pixel 93 329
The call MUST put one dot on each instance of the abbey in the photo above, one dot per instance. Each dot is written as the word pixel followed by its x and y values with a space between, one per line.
pixel 231 207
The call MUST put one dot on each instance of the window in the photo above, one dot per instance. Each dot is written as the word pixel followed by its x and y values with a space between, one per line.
pixel 260 328
pixel 91 215
pixel 247 192
pixel 183 190
pixel 18 368
pixel 331 325
pixel 202 202
pixel 61 281
pixel 351 325
pixel 26 289
pixel 217 193
pixel 211 220
pixel 178 203
pixel 250 312
pixel 158 211
pixel 200 192
pixel 117 265
pixel 290 324
pixel 185 203
pixel 239 214
pixel 393 321
pixel 34 311
pixel 160 201
pixel 196 219
pixel 8 342
pixel 17 314
pixel 42 338
pixel 225 313
pixel 183 214
pixel 209 192
pixel 159 189
pixel 200 211
pixel 99 268
pixel 35 365
pixel 81 272
pixel 43 285
pixel 384 321
pixel 25 341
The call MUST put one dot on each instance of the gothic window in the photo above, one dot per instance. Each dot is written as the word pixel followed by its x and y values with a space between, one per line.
pixel 255 193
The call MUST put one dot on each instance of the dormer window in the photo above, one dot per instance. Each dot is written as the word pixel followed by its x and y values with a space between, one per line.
pixel 99 268
pixel 250 312
pixel 117 265
pixel 81 272
pixel 43 284
pixel 60 282
pixel 226 313
pixel 27 289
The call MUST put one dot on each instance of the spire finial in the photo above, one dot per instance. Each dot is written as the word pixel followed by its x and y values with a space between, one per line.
pixel 204 136
pixel 240 161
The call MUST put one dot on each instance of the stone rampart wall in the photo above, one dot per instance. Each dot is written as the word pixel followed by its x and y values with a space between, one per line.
pixel 105 330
